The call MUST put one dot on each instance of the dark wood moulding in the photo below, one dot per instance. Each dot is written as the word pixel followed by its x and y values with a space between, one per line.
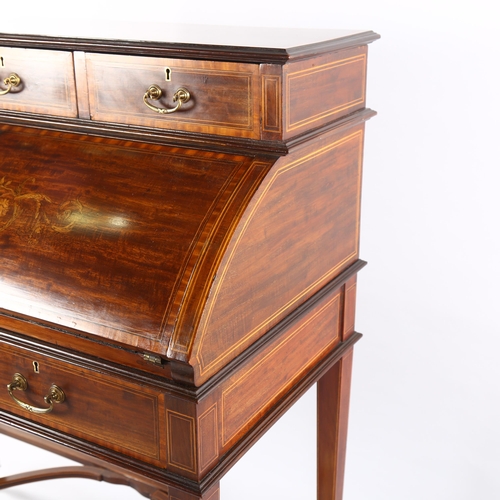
pixel 253 50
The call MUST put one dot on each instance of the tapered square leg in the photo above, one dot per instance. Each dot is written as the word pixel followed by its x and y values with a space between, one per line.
pixel 333 412
pixel 213 493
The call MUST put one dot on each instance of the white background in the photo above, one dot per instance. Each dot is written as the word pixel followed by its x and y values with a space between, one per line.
pixel 424 408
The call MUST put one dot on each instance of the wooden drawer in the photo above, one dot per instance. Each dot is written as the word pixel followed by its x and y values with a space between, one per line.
pixel 47 81
pixel 224 96
pixel 99 407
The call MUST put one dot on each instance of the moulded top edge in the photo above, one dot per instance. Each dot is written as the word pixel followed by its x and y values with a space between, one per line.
pixel 194 41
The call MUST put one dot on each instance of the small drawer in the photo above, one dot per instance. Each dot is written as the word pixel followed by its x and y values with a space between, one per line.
pixel 114 412
pixel 223 96
pixel 40 81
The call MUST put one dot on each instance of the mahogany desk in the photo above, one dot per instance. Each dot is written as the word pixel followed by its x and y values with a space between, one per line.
pixel 179 234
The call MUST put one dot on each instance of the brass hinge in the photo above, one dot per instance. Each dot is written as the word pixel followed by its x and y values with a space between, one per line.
pixel 152 358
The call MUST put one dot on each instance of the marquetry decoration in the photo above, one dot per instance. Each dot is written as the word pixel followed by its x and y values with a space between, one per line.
pixel 87 201
pixel 31 213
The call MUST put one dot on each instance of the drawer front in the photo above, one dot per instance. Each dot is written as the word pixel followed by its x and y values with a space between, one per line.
pixel 46 81
pixel 224 97
pixel 112 412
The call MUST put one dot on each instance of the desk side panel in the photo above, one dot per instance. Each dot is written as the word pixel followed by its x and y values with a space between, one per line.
pixel 299 232
pixel 321 89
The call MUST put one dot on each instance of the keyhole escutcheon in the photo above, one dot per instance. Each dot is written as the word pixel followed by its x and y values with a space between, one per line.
pixel 36 367
pixel 168 74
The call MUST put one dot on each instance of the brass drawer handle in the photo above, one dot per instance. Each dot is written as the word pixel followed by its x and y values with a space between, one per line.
pixel 55 395
pixel 154 92
pixel 11 81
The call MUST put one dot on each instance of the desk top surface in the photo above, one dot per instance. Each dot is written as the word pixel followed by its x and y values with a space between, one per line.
pixel 256 44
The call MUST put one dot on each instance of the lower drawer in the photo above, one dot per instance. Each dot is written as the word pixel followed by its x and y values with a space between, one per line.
pixel 104 409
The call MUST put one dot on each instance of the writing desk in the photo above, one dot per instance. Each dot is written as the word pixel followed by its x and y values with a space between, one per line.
pixel 179 245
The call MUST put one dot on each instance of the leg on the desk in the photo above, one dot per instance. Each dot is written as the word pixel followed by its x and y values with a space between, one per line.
pixel 333 409
pixel 213 493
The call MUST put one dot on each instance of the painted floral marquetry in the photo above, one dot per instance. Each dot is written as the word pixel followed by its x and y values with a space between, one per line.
pixel 32 213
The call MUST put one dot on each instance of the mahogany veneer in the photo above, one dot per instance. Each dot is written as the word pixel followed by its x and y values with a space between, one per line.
pixel 193 271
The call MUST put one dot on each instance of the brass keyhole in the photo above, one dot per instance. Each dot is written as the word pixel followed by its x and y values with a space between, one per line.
pixel 168 74
pixel 36 367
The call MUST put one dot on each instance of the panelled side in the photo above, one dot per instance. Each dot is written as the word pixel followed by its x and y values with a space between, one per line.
pixel 245 397
pixel 299 231
pixel 322 89
pixel 271 107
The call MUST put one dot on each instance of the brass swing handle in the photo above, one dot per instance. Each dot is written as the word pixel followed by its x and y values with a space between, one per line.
pixel 154 92
pixel 11 81
pixel 55 395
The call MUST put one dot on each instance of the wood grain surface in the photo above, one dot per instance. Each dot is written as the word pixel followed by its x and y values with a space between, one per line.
pixel 47 81
pixel 305 220
pixel 100 408
pixel 105 239
pixel 321 89
pixel 224 96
